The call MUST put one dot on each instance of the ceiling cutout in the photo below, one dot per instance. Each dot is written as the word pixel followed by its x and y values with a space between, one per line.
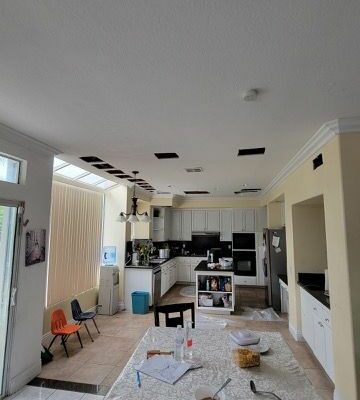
pixel 247 191
pixel 194 169
pixel 116 172
pixel 160 192
pixel 196 192
pixel 251 152
pixel 103 166
pixel 163 156
pixel 135 180
pixel 91 159
pixel 123 176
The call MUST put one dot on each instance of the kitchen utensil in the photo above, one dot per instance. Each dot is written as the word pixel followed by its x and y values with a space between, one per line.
pixel 253 389
pixel 228 380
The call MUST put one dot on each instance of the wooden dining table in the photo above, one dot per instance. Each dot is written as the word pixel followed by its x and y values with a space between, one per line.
pixel 279 372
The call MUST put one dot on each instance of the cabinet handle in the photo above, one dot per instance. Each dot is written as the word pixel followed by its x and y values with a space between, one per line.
pixel 314 308
pixel 327 320
pixel 320 324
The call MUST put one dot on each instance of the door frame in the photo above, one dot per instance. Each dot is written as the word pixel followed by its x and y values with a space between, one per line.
pixel 20 205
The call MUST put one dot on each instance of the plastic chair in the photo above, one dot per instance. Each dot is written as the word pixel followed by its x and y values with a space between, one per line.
pixel 81 317
pixel 60 327
pixel 174 308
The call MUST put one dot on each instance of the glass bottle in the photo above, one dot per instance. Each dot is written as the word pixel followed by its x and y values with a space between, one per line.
pixel 179 344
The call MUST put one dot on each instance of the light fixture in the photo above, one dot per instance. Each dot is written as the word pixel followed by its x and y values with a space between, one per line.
pixel 134 215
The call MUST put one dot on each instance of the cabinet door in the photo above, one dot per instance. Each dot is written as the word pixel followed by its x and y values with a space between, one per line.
pixel 176 225
pixel 319 341
pixel 198 220
pixel 213 220
pixel 186 230
pixel 329 366
pixel 226 225
pixel 192 273
pixel 184 273
pixel 307 320
pixel 238 223
pixel 249 220
pixel 163 283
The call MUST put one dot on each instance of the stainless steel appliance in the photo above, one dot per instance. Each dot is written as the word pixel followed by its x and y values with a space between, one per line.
pixel 156 284
pixel 274 263
pixel 244 262
pixel 164 253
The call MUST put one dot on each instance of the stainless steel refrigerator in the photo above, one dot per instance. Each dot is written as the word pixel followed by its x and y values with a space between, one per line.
pixel 274 263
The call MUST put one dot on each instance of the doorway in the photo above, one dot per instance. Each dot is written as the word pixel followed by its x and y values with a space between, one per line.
pixel 10 233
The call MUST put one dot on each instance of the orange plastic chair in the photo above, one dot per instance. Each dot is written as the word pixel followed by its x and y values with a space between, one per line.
pixel 60 327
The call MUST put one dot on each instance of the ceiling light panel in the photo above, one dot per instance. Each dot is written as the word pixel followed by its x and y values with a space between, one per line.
pixel 58 163
pixel 106 184
pixel 71 171
pixel 91 179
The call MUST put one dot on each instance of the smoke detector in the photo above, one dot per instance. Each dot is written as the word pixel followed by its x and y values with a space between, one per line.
pixel 250 95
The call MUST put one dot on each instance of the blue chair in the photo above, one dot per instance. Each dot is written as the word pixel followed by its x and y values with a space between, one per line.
pixel 81 317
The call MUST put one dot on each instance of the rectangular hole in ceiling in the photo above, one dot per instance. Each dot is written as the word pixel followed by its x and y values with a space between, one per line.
pixel 163 156
pixel 91 159
pixel 196 192
pixel 135 180
pixel 103 166
pixel 122 176
pixel 116 172
pixel 251 152
pixel 247 191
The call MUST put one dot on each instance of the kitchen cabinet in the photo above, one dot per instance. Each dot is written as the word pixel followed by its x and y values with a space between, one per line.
pixel 181 225
pixel 194 262
pixel 316 330
pixel 226 225
pixel 183 269
pixel 205 220
pixel 168 275
pixel 261 219
pixel 244 220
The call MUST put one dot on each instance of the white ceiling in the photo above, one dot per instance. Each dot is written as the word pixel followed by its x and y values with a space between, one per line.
pixel 124 79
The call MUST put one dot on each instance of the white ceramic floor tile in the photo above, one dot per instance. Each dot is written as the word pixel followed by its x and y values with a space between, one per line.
pixel 66 395
pixel 92 397
pixel 33 393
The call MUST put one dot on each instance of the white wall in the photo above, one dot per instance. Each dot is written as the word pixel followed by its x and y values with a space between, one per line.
pixel 36 192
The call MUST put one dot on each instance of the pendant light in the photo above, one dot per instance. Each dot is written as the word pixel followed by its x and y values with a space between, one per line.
pixel 134 216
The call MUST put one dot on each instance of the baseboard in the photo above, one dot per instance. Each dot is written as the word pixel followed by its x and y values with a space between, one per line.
pixel 47 337
pixel 296 333
pixel 19 381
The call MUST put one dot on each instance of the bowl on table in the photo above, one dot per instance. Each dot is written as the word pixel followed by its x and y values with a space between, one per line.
pixel 206 392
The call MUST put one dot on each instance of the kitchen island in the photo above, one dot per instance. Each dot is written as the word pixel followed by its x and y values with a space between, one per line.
pixel 215 289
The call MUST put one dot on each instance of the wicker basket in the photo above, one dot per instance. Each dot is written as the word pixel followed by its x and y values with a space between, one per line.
pixel 245 358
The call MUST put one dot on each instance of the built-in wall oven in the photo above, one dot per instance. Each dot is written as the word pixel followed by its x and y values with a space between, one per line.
pixel 244 262
pixel 244 253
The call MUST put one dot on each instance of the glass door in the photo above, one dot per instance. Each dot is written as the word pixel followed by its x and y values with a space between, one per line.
pixel 9 232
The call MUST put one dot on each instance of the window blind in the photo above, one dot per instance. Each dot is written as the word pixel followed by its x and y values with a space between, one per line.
pixel 75 241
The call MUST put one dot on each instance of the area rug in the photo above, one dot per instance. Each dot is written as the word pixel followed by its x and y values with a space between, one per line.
pixel 188 291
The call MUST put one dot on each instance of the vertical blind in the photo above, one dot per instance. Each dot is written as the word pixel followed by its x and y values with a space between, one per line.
pixel 75 241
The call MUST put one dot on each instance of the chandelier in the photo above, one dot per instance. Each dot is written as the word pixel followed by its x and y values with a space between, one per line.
pixel 134 215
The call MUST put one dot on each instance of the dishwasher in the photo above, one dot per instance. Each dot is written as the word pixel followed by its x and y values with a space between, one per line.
pixel 156 285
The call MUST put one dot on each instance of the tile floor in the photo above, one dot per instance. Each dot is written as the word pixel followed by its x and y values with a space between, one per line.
pixel 101 362
pixel 40 393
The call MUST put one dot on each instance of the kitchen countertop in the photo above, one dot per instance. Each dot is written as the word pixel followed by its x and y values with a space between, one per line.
pixel 314 284
pixel 161 263
pixel 202 266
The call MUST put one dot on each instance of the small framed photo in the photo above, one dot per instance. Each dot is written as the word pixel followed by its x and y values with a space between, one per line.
pixel 35 243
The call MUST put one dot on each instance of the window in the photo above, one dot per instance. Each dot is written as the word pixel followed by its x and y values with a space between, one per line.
pixel 9 169
pixel 70 171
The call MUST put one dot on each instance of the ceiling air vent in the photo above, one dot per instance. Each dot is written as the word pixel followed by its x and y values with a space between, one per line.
pixel 194 169
pixel 164 156
pixel 251 152
pixel 196 192
pixel 103 166
pixel 247 191
pixel 91 159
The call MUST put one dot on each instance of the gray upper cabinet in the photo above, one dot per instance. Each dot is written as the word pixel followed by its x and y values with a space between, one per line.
pixel 205 220
pixel 198 220
pixel 261 219
pixel 176 225
pixel 226 225
pixel 213 220
pixel 186 225
pixel 244 220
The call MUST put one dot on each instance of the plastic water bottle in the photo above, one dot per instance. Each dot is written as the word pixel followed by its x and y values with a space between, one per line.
pixel 188 340
pixel 179 344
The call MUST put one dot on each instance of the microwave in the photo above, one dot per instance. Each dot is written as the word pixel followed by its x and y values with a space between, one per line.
pixel 243 241
pixel 244 263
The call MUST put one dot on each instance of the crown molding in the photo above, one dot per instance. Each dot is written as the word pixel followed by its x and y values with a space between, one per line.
pixel 326 132
pixel 15 137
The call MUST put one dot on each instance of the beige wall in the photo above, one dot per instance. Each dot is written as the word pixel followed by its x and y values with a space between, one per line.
pixel 309 238
pixel 335 180
pixel 142 230
pixel 185 202
pixel 86 299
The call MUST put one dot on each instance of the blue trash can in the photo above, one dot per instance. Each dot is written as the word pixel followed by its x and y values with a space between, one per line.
pixel 140 302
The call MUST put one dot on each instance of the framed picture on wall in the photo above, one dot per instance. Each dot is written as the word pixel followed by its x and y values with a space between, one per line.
pixel 35 243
